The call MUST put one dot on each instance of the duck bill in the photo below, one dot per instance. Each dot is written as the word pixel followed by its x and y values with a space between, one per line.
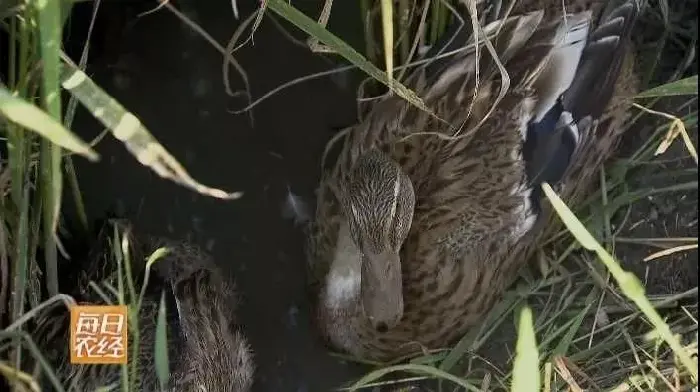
pixel 381 288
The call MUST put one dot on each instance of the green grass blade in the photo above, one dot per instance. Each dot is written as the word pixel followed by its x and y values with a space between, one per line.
pixel 430 359
pixel 131 320
pixel 414 369
pixel 630 197
pixel 31 117
pixel 365 13
pixel 18 142
pixel 563 347
pixel 17 163
pixel 526 372
pixel 314 29
pixel 388 37
pixel 19 286
pixel 434 21
pixel 155 256
pixel 49 14
pixel 128 129
pixel 74 186
pixel 72 176
pixel 404 19
pixel 21 254
pixel 687 86
pixel 161 346
pixel 628 283
pixel 469 342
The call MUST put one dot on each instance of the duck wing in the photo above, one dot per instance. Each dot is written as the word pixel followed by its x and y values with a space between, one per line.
pixel 576 95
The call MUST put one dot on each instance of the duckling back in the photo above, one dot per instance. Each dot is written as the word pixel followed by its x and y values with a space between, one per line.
pixel 214 355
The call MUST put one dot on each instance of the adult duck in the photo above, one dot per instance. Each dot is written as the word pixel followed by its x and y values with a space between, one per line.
pixel 421 224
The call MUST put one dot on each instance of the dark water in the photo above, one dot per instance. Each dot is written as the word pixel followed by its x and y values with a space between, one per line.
pixel 172 80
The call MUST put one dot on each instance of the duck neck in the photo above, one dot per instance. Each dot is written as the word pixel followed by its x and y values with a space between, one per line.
pixel 343 279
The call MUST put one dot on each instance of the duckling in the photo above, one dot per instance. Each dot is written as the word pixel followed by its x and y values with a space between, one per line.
pixel 207 351
pixel 422 223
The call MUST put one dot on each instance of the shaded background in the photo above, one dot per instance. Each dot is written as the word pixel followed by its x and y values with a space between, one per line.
pixel 171 78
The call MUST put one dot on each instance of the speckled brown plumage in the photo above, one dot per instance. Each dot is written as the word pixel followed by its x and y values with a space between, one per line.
pixel 471 226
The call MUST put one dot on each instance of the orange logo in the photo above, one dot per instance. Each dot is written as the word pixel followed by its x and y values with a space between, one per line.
pixel 98 334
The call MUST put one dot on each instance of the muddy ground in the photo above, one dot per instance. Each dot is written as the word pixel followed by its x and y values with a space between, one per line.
pixel 172 79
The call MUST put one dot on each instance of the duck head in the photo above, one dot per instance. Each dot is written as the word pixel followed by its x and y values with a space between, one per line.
pixel 378 200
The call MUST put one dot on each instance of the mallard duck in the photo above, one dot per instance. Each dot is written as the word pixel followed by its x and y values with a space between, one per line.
pixel 421 224
pixel 207 352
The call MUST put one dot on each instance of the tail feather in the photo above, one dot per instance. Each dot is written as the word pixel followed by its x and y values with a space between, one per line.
pixel 553 140
pixel 560 69
pixel 600 64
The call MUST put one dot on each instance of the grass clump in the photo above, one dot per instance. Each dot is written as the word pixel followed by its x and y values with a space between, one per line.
pixel 36 161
